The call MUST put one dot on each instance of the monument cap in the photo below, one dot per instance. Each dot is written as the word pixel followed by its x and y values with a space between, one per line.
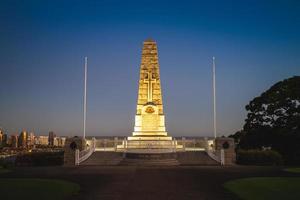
pixel 149 40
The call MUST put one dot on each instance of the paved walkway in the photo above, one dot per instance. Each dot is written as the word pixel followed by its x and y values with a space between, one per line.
pixel 153 183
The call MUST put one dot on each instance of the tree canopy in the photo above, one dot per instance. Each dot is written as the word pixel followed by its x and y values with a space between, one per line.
pixel 273 120
pixel 278 107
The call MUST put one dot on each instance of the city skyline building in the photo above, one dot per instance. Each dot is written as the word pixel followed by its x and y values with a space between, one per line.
pixel 1 136
pixel 51 137
pixel 4 139
pixel 41 140
pixel 22 140
pixel 30 139
pixel 14 141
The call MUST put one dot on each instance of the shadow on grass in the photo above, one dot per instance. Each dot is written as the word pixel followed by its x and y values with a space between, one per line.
pixel 34 189
pixel 265 188
pixel 4 170
pixel 294 169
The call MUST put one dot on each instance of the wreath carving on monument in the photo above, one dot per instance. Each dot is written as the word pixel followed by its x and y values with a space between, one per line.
pixel 73 146
pixel 149 109
pixel 225 145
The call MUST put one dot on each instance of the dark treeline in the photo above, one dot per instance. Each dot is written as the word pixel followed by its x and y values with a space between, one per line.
pixel 273 122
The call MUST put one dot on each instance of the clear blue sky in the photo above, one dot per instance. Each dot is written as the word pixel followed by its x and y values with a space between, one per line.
pixel 43 44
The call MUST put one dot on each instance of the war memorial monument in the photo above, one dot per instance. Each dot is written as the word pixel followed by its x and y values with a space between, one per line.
pixel 149 129
pixel 150 143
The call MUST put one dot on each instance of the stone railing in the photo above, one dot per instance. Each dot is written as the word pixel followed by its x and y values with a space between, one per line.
pixel 213 154
pixel 81 156
pixel 108 144
pixel 122 144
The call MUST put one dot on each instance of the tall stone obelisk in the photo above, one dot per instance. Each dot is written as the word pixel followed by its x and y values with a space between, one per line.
pixel 149 118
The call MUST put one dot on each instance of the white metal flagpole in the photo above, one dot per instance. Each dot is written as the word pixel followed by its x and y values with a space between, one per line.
pixel 84 98
pixel 214 97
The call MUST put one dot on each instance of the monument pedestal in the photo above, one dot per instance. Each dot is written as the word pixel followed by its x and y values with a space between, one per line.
pixel 70 147
pixel 149 138
pixel 228 147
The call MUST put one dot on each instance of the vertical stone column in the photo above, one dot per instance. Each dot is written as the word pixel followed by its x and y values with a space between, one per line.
pixel 125 147
pixel 174 145
pixel 105 142
pixel 71 144
pixel 183 143
pixel 206 144
pixel 227 144
pixel 115 143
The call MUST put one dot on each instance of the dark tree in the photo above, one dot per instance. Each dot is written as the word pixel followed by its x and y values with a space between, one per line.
pixel 278 107
pixel 273 120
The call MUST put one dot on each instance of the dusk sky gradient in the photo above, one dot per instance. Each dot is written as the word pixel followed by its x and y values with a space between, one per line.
pixel 43 44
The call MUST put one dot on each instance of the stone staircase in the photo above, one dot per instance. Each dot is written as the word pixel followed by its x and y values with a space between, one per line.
pixel 195 158
pixel 149 162
pixel 104 158
pixel 150 159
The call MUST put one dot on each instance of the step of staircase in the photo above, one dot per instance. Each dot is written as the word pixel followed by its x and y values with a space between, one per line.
pixel 104 158
pixel 152 159
pixel 195 158
pixel 151 155
pixel 149 162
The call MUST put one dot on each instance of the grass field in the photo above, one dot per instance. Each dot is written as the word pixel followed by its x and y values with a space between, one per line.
pixel 34 189
pixel 295 169
pixel 266 188
pixel 3 170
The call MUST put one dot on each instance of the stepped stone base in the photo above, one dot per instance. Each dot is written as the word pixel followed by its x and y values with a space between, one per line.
pixel 149 159
pixel 150 138
pixel 151 156
pixel 151 133
pixel 146 143
pixel 149 162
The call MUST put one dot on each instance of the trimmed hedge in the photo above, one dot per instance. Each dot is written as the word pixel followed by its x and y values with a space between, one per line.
pixel 40 159
pixel 6 163
pixel 259 157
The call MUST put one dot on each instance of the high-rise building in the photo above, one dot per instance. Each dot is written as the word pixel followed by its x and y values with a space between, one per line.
pixel 51 137
pixel 1 136
pixel 41 140
pixel 30 139
pixel 63 141
pixel 4 140
pixel 57 142
pixel 22 142
pixel 14 141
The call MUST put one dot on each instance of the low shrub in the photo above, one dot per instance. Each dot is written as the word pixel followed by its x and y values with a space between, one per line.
pixel 259 157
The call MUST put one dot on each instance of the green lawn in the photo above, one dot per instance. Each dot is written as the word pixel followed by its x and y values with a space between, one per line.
pixel 3 170
pixel 36 189
pixel 266 188
pixel 295 169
